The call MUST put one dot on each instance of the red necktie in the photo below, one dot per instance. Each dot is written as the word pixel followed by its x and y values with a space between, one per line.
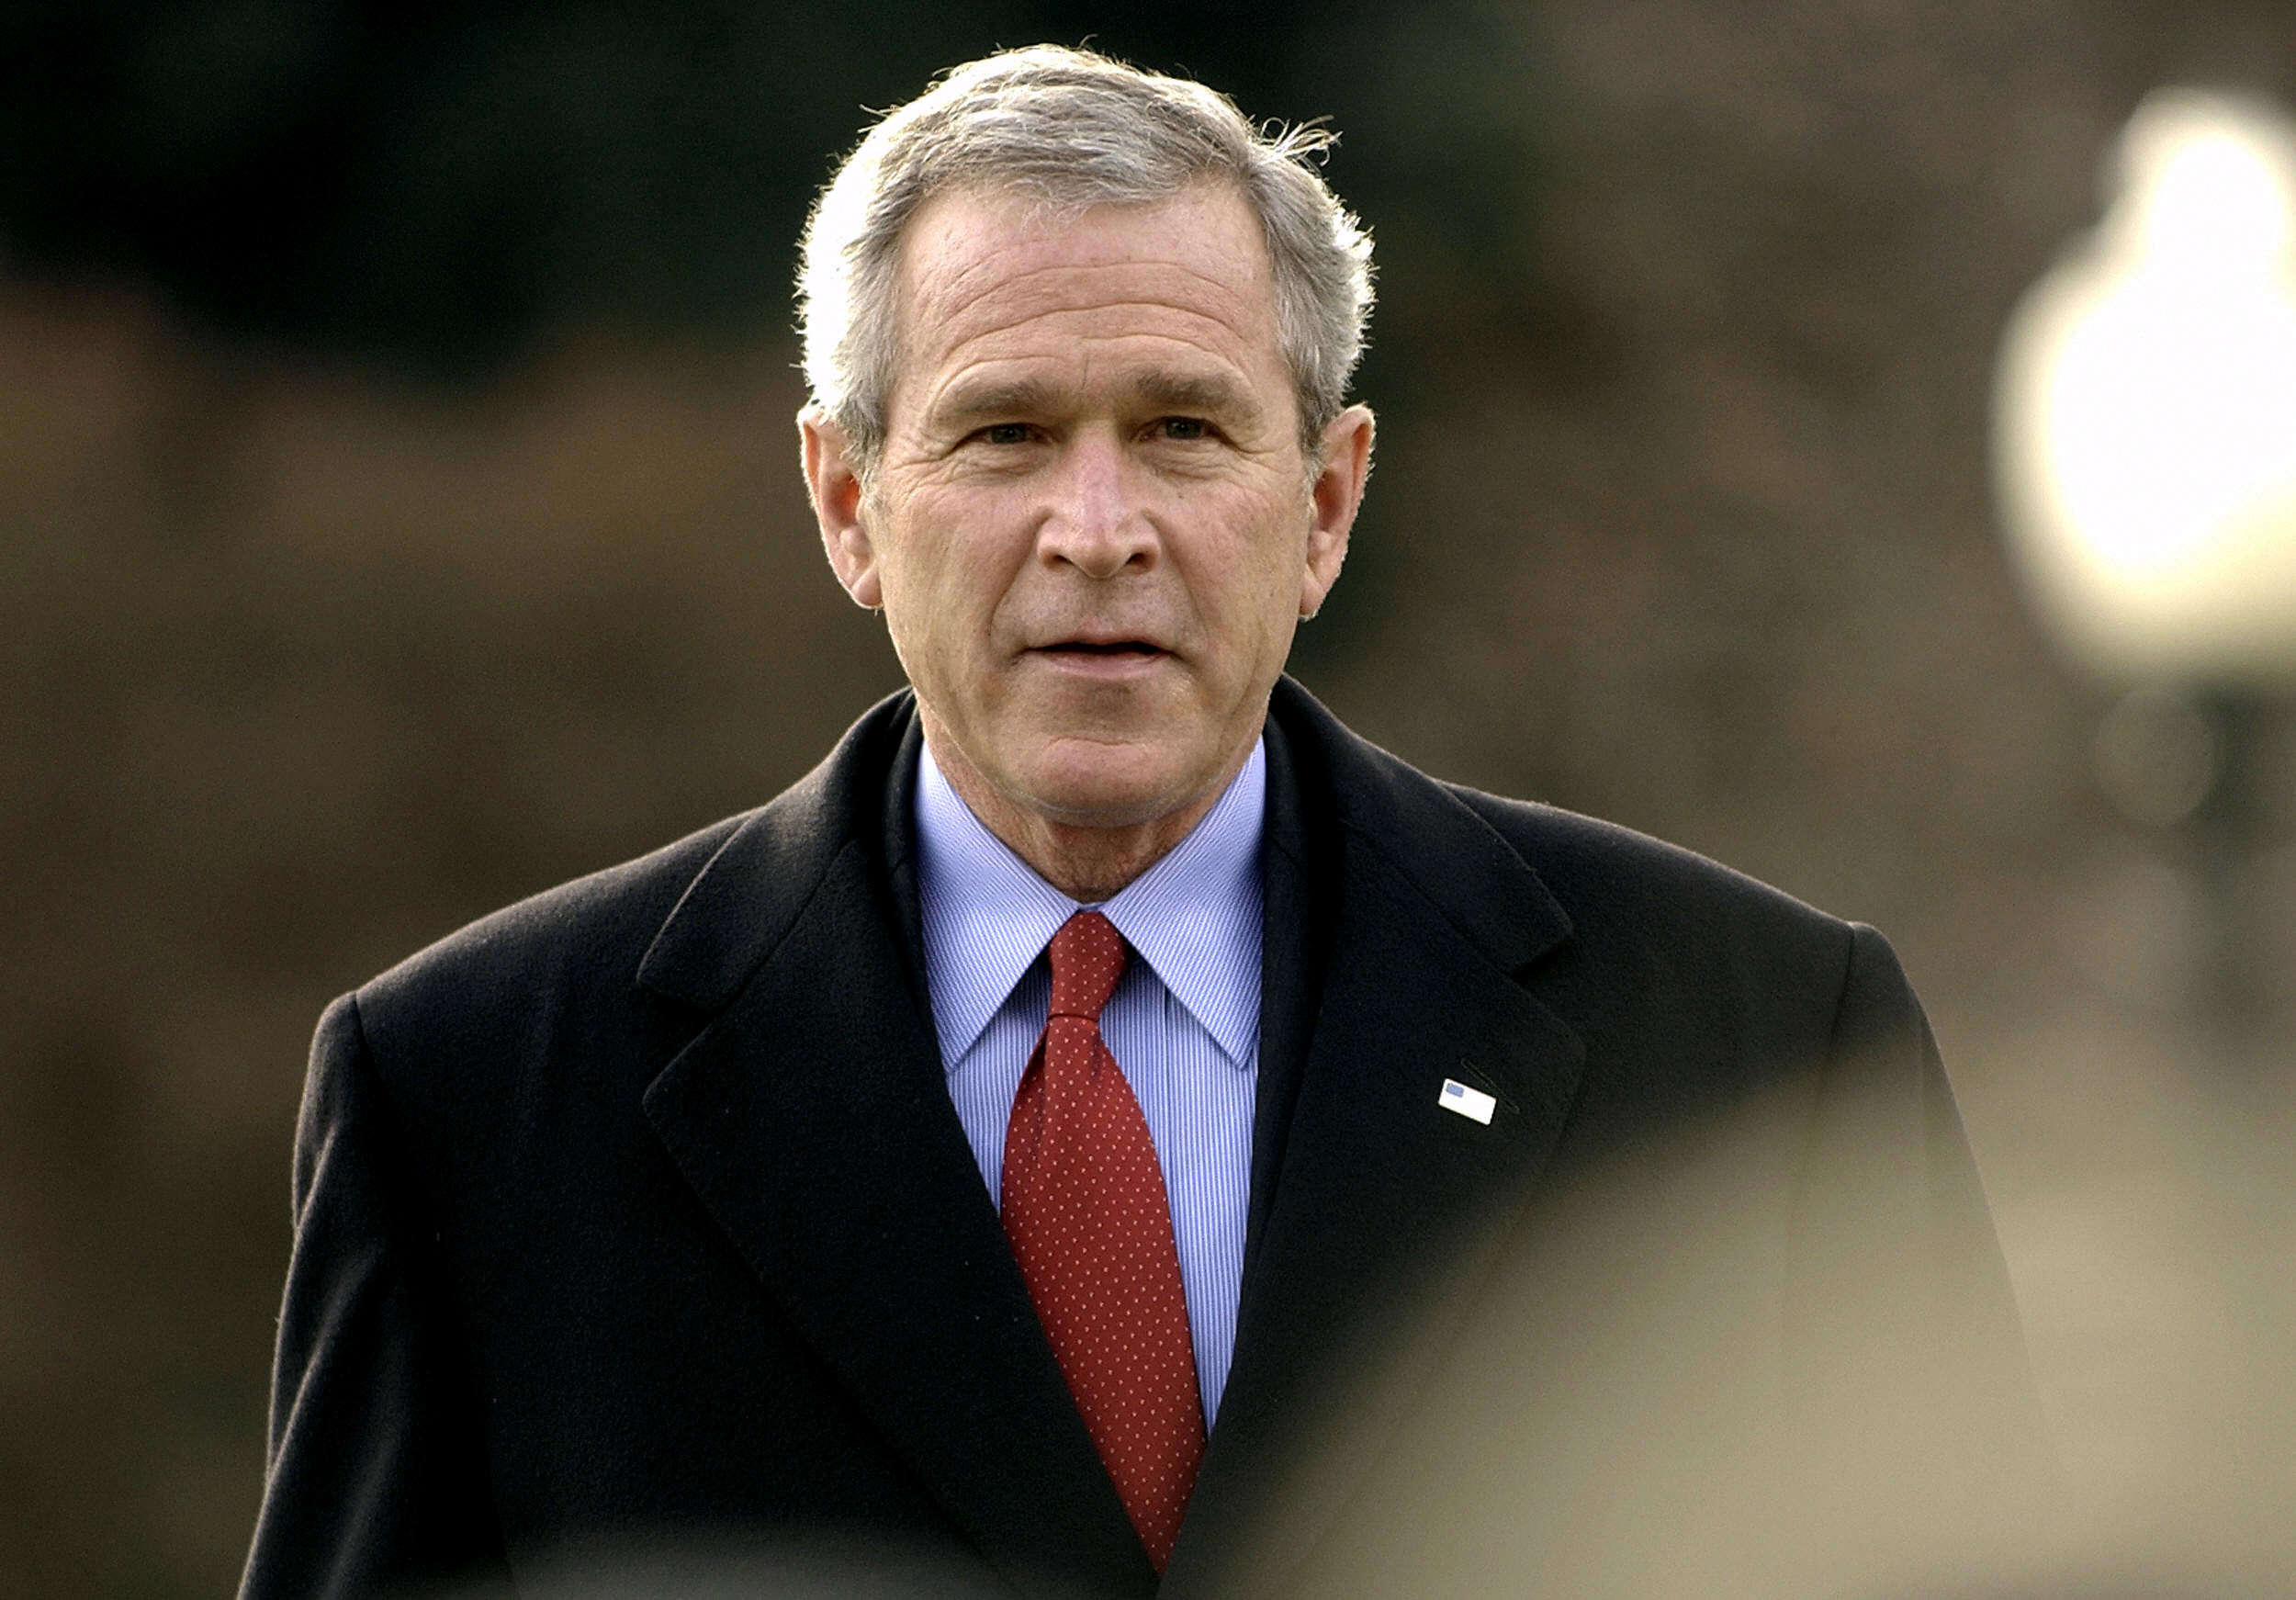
pixel 1084 1207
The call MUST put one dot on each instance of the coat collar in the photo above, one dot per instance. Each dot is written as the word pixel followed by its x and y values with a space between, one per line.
pixel 750 893
pixel 1400 928
pixel 746 899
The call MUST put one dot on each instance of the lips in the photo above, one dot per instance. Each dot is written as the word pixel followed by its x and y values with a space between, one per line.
pixel 1104 647
pixel 1102 661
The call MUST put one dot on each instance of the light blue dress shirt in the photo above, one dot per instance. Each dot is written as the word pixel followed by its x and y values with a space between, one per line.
pixel 1184 1022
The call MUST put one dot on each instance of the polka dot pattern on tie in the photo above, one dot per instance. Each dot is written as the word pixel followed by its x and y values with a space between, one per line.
pixel 1085 1208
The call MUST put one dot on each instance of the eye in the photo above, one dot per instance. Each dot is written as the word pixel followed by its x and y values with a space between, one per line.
pixel 1183 428
pixel 1004 434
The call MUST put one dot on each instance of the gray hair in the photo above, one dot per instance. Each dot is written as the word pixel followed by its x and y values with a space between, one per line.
pixel 1069 129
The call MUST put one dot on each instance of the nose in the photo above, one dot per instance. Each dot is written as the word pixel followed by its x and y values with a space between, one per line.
pixel 1097 519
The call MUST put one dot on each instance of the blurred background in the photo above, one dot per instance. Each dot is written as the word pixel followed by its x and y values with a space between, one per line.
pixel 399 513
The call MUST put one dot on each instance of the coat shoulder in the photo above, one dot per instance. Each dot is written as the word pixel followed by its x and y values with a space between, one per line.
pixel 1662 936
pixel 1606 876
pixel 585 929
pixel 464 1032
pixel 1603 891
pixel 696 914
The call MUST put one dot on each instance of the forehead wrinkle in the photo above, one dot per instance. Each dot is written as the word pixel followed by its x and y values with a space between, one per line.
pixel 977 389
pixel 1192 327
pixel 1213 339
pixel 1054 291
pixel 946 362
pixel 1015 234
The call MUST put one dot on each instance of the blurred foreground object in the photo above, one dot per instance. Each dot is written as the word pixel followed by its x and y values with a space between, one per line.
pixel 2146 421
pixel 1699 1365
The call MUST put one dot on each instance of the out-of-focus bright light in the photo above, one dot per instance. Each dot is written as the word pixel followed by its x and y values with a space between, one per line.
pixel 2145 405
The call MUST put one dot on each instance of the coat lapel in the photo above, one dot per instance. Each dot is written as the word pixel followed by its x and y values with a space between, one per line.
pixel 812 1119
pixel 1367 1192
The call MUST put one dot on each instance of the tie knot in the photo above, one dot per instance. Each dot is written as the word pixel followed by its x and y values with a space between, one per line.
pixel 1088 956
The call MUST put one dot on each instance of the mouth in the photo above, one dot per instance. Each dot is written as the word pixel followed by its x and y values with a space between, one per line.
pixel 1099 647
pixel 1101 660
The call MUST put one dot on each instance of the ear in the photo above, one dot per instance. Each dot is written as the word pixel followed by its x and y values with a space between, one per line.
pixel 833 484
pixel 1343 466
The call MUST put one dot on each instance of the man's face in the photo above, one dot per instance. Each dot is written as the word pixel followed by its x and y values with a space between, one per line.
pixel 1093 528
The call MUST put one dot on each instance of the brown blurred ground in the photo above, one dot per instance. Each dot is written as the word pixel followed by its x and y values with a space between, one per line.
pixel 301 667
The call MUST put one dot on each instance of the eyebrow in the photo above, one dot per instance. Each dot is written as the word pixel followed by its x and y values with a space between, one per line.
pixel 974 403
pixel 1197 392
pixel 1211 393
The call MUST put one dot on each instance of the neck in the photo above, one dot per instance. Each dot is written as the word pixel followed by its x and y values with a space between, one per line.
pixel 1086 863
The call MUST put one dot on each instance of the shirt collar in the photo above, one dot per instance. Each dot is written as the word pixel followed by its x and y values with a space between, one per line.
pixel 1194 917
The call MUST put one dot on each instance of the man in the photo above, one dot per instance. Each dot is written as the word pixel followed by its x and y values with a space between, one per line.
pixel 1023 1137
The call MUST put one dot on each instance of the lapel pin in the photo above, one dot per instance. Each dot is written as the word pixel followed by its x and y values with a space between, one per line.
pixel 1472 1104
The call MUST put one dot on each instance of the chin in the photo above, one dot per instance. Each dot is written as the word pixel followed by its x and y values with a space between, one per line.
pixel 1110 789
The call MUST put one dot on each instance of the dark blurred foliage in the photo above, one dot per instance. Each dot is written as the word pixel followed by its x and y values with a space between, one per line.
pixel 397 515
pixel 436 185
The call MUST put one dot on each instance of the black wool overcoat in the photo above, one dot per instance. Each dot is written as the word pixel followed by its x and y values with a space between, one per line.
pixel 639 1211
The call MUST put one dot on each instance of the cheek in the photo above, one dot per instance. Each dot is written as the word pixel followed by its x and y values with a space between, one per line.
pixel 941 596
pixel 915 571
pixel 962 552
pixel 1261 591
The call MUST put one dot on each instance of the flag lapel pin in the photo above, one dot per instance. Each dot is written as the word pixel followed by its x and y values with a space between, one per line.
pixel 1470 1103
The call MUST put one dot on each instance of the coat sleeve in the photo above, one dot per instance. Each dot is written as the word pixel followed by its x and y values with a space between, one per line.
pixel 1901 1322
pixel 376 1476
